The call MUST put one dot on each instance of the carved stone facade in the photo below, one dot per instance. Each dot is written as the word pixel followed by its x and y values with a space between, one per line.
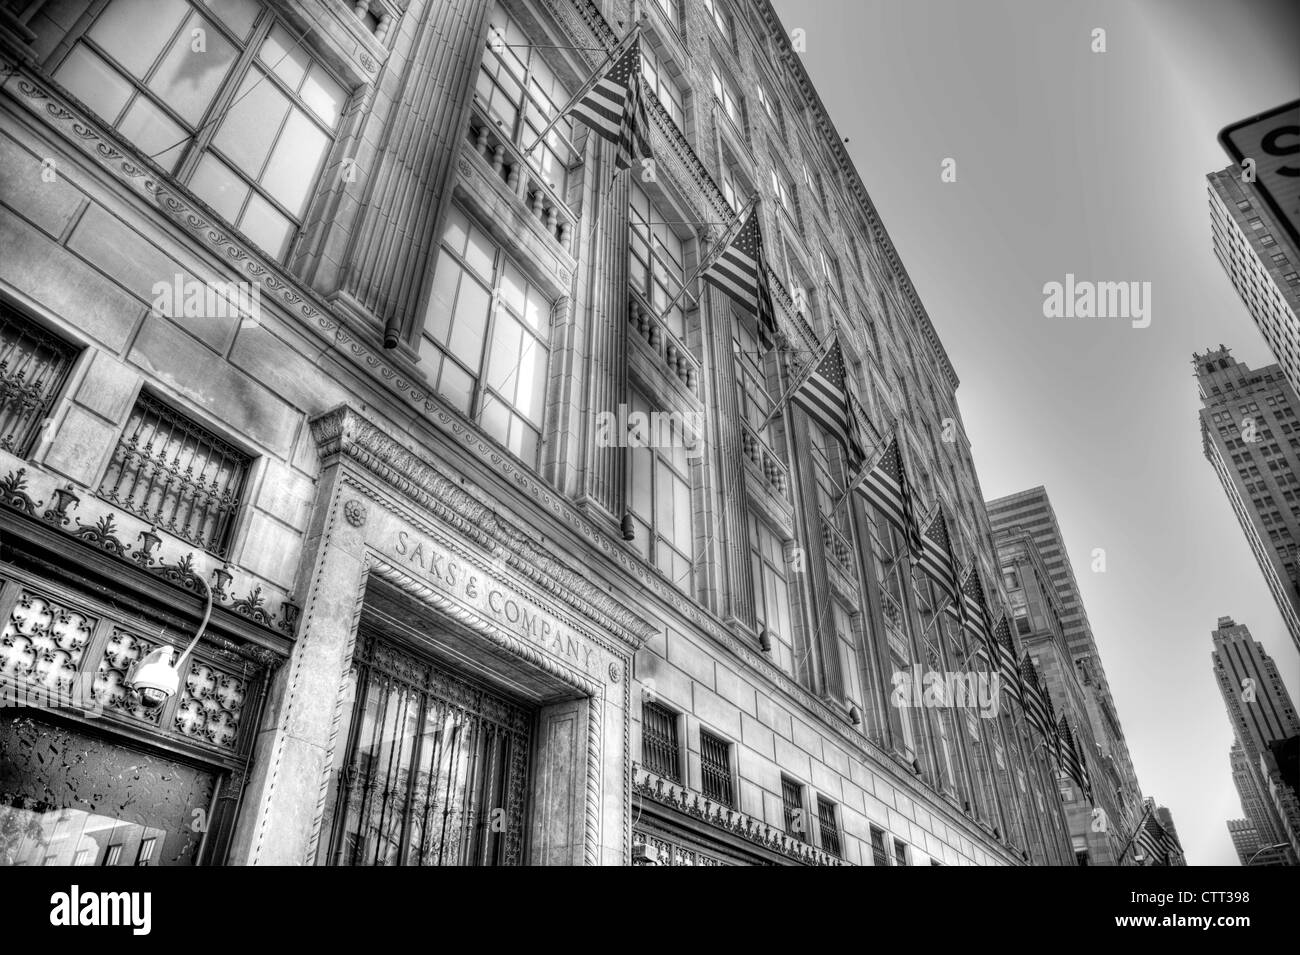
pixel 379 508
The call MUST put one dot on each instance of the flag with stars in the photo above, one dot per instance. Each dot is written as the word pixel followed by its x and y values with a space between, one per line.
pixel 974 612
pixel 614 110
pixel 936 560
pixel 1035 706
pixel 1003 653
pixel 1072 758
pixel 886 487
pixel 740 271
pixel 825 397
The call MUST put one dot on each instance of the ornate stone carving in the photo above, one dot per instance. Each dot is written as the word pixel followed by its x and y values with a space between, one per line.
pixel 614 673
pixel 355 512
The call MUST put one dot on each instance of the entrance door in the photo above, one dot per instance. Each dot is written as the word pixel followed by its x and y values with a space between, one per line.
pixel 436 767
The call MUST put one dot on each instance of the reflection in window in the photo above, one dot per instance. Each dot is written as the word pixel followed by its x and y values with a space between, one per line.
pixel 520 93
pixel 656 265
pixel 156 70
pixel 660 498
pixel 485 337
pixel 771 592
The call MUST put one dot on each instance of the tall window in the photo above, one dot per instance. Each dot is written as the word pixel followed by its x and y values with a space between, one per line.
pixel 783 190
pixel 721 19
pixel 796 823
pixel 248 134
pixel 752 364
pixel 900 852
pixel 671 9
pixel 715 769
pixel 660 82
pixel 729 97
pixel 520 93
pixel 828 827
pixel 33 367
pixel 879 855
pixel 656 266
pixel 661 493
pixel 771 591
pixel 488 360
pixel 767 99
pixel 176 475
pixel 659 749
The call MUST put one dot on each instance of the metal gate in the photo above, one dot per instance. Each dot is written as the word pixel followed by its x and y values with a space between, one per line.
pixel 436 767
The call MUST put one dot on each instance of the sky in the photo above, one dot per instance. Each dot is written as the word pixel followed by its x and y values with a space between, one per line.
pixel 1070 161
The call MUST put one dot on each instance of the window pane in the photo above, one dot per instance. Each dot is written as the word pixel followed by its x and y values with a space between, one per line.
pixel 456 386
pixel 298 154
pixel 495 419
pixel 187 81
pixel 94 82
pixel 287 59
pixel 236 14
pixel 503 363
pixel 681 532
pixel 442 298
pixel 250 127
pixel 513 288
pixel 480 253
pixel 531 393
pixel 216 184
pixel 456 230
pixel 641 479
pixel 266 227
pixel 470 323
pixel 323 96
pixel 157 136
pixel 663 500
pixel 134 32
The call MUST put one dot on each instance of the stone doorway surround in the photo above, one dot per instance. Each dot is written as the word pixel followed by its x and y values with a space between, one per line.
pixel 397 541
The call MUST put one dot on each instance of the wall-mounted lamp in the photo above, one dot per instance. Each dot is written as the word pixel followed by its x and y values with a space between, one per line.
pixel 154 677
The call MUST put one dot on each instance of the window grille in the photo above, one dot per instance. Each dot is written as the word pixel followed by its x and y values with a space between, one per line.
pixel 177 475
pixel 715 765
pixel 830 832
pixel 792 803
pixel 659 750
pixel 33 367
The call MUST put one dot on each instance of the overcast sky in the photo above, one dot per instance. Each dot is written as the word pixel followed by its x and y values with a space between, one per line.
pixel 1070 161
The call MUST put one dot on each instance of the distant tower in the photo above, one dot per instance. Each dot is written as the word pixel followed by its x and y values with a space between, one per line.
pixel 1250 432
pixel 1262 716
pixel 1261 261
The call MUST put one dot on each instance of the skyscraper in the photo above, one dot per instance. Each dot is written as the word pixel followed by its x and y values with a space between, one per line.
pixel 1245 839
pixel 1030 512
pixel 1250 433
pixel 1262 714
pixel 1262 261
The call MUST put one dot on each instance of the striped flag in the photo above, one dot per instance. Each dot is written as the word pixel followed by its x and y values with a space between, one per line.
pixel 614 110
pixel 1071 758
pixel 886 487
pixel 740 272
pixel 1032 695
pixel 1004 653
pixel 974 611
pixel 936 560
pixel 824 396
pixel 1156 841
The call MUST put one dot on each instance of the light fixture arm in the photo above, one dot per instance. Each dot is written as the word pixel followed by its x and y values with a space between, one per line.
pixel 207 615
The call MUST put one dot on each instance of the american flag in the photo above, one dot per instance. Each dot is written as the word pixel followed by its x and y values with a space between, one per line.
pixel 886 487
pixel 1156 842
pixel 1073 760
pixel 824 395
pixel 1003 651
pixel 1035 705
pixel 974 615
pixel 739 271
pixel 936 560
pixel 613 109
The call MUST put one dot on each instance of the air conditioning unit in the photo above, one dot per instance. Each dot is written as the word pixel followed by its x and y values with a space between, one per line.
pixel 644 854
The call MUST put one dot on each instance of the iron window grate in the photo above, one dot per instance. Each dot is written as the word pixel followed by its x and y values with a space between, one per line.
pixel 33 368
pixel 900 851
pixel 792 804
pixel 878 854
pixel 715 766
pixel 177 475
pixel 830 831
pixel 659 749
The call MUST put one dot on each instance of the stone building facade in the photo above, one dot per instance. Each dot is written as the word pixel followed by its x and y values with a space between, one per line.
pixel 298 319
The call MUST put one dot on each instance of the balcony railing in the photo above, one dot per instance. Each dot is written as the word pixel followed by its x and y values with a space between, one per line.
pixel 768 464
pixel 677 362
pixel 837 546
pixel 507 162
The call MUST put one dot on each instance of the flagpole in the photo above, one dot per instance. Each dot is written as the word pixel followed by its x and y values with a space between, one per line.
pixel 804 375
pixel 718 248
pixel 586 87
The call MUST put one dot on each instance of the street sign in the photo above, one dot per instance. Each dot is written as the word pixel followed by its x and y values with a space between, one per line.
pixel 1272 140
